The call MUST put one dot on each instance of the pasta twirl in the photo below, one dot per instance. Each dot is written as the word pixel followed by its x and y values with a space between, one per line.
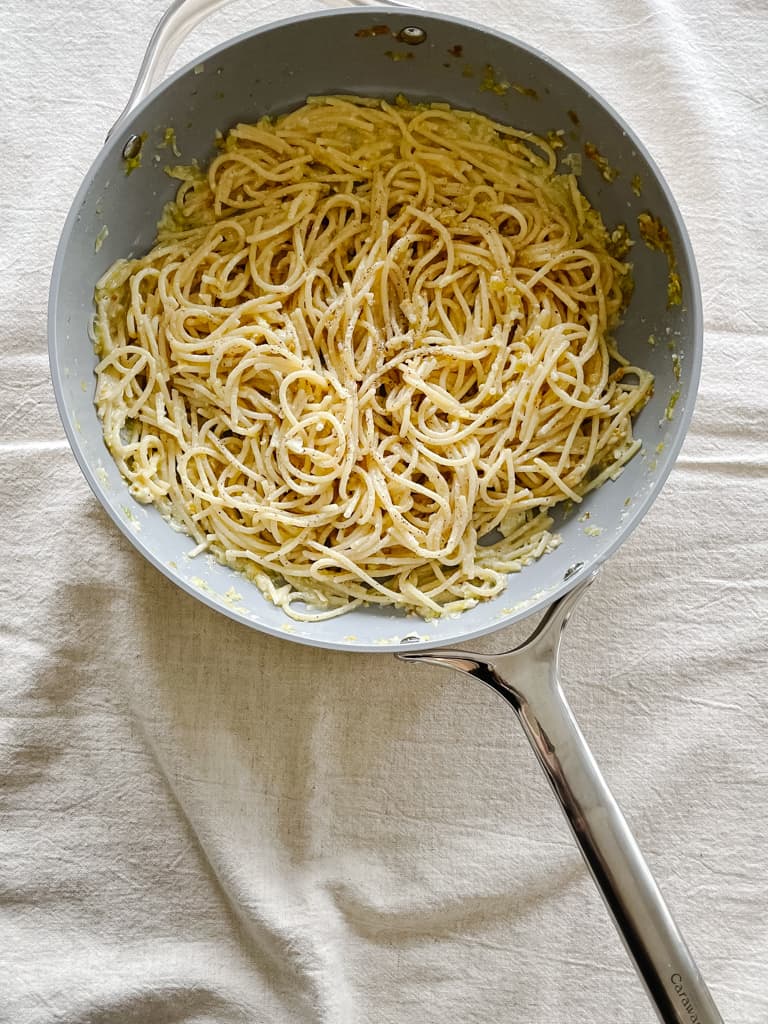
pixel 368 353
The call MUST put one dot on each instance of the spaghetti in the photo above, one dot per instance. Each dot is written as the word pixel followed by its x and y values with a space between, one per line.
pixel 368 353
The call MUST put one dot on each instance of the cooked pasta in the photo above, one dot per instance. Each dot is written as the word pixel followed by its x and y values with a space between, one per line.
pixel 369 352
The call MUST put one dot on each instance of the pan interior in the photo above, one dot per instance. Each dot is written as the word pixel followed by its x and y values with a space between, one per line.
pixel 273 70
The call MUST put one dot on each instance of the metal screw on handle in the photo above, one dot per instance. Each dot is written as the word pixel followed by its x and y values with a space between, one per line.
pixel 528 680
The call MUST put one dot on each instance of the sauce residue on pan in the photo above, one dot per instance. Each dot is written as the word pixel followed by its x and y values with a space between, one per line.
pixel 656 236
pixel 374 30
pixel 492 83
pixel 593 153
pixel 525 90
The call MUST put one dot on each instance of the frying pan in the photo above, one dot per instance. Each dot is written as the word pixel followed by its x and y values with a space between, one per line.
pixel 383 51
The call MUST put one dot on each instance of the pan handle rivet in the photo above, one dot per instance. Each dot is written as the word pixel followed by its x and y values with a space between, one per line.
pixel 573 569
pixel 412 34
pixel 132 147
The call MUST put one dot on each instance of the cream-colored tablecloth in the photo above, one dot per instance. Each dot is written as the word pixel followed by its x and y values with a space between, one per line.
pixel 202 824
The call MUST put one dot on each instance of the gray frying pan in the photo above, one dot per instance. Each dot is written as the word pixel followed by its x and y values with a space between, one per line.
pixel 382 51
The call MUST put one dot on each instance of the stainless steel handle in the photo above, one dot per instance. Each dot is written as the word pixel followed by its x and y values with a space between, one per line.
pixel 174 26
pixel 528 679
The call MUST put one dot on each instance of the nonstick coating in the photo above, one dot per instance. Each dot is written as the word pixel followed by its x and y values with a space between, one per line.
pixel 274 69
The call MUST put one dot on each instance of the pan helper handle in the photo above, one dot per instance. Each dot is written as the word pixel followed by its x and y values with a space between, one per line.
pixel 171 31
pixel 528 679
